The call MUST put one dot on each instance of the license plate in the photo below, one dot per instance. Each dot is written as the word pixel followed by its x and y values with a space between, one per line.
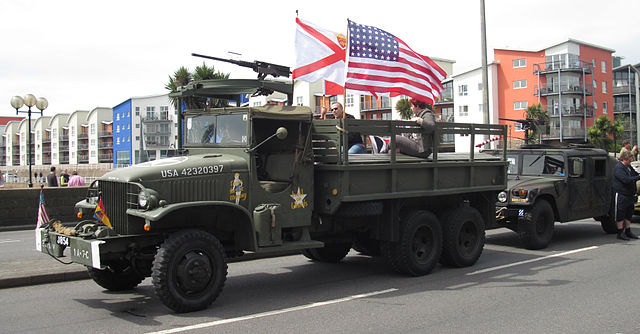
pixel 62 240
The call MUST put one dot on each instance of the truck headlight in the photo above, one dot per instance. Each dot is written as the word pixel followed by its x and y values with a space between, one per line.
pixel 502 197
pixel 143 199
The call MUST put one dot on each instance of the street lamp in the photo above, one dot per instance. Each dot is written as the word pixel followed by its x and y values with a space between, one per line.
pixel 29 100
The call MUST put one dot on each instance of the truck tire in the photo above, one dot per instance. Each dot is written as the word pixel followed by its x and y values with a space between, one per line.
pixel 536 229
pixel 367 246
pixel 420 245
pixel 608 224
pixel 189 270
pixel 307 253
pixel 331 252
pixel 116 277
pixel 463 237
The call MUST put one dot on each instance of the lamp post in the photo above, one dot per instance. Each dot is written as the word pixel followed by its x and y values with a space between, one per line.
pixel 29 100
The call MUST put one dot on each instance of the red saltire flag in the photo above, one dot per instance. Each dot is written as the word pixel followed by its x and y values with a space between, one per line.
pixel 101 214
pixel 320 55
pixel 382 64
pixel 43 215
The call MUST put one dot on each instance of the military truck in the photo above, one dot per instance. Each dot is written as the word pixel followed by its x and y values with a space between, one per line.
pixel 555 184
pixel 272 179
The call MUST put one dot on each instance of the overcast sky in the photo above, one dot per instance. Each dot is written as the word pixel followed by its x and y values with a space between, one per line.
pixel 86 54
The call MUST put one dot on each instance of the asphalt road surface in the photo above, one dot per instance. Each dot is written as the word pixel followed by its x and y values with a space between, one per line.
pixel 585 282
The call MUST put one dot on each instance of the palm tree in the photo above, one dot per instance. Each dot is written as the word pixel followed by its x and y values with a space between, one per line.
pixel 602 129
pixel 404 109
pixel 183 76
pixel 540 117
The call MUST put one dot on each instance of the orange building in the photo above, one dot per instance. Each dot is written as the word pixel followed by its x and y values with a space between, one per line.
pixel 571 80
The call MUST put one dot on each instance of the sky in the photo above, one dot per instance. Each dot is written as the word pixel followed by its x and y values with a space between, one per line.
pixel 80 55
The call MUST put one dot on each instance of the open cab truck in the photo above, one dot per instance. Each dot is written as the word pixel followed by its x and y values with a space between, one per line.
pixel 272 179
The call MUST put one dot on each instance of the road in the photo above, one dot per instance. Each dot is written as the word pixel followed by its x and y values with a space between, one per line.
pixel 583 283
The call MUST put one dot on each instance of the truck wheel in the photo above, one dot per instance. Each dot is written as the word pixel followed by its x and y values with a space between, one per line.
pixel 536 230
pixel 189 270
pixel 116 277
pixel 608 224
pixel 420 245
pixel 331 252
pixel 307 253
pixel 463 237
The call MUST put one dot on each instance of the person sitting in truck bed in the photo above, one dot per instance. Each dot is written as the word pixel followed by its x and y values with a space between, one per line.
pixel 422 146
pixel 354 139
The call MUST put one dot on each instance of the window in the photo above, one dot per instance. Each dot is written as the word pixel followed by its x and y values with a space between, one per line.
pixel 349 101
pixel 480 86
pixel 604 87
pixel 137 111
pixel 604 66
pixel 386 115
pixel 117 117
pixel 519 84
pixel 519 63
pixel 138 126
pixel 257 104
pixel 462 90
pixel 593 62
pixel 518 127
pixel 92 129
pixel 520 105
pixel 595 84
pixel 463 110
pixel 298 100
pixel 595 105
pixel 604 107
pixel 480 107
pixel 117 128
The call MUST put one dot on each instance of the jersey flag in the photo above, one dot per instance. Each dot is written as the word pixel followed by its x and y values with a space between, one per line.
pixel 382 64
pixel 320 55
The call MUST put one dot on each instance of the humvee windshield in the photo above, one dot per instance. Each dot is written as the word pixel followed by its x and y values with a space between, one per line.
pixel 542 164
pixel 230 129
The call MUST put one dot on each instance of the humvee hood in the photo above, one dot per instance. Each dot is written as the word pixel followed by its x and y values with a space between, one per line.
pixel 527 181
pixel 179 167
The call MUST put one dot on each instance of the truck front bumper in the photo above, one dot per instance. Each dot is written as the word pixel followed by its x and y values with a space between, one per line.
pixel 82 251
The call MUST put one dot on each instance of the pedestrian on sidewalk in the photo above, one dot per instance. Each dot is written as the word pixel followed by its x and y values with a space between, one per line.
pixel 76 180
pixel 52 179
pixel 64 178
pixel 624 186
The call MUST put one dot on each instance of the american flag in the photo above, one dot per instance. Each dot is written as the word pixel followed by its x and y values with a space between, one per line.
pixel 382 64
pixel 43 216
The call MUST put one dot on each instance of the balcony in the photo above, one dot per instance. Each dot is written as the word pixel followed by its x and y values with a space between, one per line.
pixel 563 66
pixel 64 148
pixel 105 145
pixel 64 138
pixel 566 89
pixel 105 157
pixel 83 147
pixel 105 134
pixel 83 158
pixel 83 136
pixel 164 132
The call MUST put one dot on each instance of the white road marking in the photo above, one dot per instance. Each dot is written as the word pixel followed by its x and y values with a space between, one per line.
pixel 532 260
pixel 6 241
pixel 270 313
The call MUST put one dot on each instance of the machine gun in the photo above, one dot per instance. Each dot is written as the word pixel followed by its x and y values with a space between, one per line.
pixel 528 124
pixel 261 67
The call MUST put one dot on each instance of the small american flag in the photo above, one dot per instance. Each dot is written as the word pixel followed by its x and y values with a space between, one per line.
pixel 380 64
pixel 43 216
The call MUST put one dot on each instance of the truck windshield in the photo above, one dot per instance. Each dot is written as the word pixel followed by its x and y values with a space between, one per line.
pixel 542 164
pixel 230 129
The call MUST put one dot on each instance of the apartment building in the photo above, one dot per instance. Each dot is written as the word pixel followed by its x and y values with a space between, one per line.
pixel 42 141
pixel 626 101
pixel 59 139
pixel 3 138
pixel 78 137
pixel 23 144
pixel 145 128
pixel 571 80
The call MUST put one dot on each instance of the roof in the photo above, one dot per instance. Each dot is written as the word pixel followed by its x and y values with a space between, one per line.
pixel 4 119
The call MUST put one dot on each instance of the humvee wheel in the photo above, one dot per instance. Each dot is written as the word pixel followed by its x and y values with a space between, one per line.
pixel 366 246
pixel 536 230
pixel 307 253
pixel 420 245
pixel 189 270
pixel 331 252
pixel 463 237
pixel 116 277
pixel 608 224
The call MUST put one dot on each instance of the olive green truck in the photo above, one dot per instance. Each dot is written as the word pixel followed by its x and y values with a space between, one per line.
pixel 273 179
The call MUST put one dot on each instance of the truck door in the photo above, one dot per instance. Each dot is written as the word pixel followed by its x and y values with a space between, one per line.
pixel 580 192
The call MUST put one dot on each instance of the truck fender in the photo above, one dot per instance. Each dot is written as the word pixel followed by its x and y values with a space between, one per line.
pixel 245 225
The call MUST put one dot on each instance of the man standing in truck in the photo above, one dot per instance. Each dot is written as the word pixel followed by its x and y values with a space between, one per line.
pixel 624 186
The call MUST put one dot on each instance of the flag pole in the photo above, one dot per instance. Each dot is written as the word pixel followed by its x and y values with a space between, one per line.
pixel 346 62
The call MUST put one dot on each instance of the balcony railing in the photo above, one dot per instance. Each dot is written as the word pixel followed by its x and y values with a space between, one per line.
pixel 625 107
pixel 571 111
pixel 554 66
pixel 105 157
pixel 105 145
pixel 83 136
pixel 155 118
pixel 544 90
pixel 105 134
pixel 623 90
pixel 566 133
pixel 63 138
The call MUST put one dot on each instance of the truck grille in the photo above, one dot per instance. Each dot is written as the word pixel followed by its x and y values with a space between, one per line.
pixel 117 197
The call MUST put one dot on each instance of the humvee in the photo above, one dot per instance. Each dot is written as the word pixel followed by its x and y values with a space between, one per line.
pixel 555 184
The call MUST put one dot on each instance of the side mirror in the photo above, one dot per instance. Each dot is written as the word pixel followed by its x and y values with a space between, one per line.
pixel 577 167
pixel 281 133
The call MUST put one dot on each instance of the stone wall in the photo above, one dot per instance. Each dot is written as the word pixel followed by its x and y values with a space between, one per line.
pixel 19 207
